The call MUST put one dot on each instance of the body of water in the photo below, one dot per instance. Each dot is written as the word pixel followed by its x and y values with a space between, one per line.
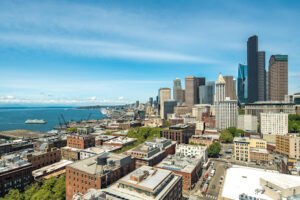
pixel 14 118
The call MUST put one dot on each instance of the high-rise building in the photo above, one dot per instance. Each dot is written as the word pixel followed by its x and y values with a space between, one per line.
pixel 151 101
pixel 261 56
pixel 191 89
pixel 230 86
pixel 206 93
pixel 278 77
pixel 252 62
pixel 220 89
pixel 225 110
pixel 267 86
pixel 169 106
pixel 243 84
pixel 178 92
pixel 164 95
pixel 274 123
pixel 226 114
pixel 256 71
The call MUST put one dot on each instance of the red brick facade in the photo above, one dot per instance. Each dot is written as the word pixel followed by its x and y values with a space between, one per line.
pixel 80 141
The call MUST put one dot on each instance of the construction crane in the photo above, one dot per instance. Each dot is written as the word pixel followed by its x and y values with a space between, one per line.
pixel 63 118
pixel 88 118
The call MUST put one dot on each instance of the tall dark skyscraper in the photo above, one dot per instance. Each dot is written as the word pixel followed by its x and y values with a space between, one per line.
pixel 243 83
pixel 256 71
pixel 261 55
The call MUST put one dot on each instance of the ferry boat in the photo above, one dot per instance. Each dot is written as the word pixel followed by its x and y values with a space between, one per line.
pixel 35 121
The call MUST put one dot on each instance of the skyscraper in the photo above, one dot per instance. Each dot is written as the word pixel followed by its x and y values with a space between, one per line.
pixel 178 92
pixel 191 89
pixel 164 95
pixel 206 93
pixel 226 110
pixel 278 77
pixel 261 56
pixel 220 89
pixel 243 83
pixel 256 71
pixel 230 86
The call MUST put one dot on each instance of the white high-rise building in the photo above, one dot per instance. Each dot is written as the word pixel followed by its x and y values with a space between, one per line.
pixel 226 110
pixel 220 89
pixel 274 123
pixel 226 114
pixel 247 122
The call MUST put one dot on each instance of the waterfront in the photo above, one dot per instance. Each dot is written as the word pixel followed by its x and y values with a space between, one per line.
pixel 14 118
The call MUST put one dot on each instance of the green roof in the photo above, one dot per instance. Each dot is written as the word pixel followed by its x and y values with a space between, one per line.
pixel 281 57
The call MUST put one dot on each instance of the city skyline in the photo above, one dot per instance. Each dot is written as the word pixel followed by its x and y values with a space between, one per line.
pixel 114 52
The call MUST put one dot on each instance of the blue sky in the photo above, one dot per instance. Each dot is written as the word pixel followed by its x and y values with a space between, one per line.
pixel 96 52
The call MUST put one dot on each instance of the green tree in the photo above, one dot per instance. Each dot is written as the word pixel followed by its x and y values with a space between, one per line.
pixel 13 194
pixel 59 188
pixel 30 191
pixel 226 137
pixel 214 149
pixel 43 194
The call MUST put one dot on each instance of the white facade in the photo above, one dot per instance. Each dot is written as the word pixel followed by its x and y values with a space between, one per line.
pixel 247 122
pixel 188 150
pixel 226 114
pixel 274 123
pixel 220 89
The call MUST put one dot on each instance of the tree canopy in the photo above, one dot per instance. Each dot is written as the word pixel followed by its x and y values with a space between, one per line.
pixel 228 134
pixel 214 149
pixel 51 189
pixel 294 123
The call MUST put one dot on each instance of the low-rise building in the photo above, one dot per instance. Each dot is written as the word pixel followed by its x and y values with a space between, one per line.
pixel 269 107
pixel 69 153
pixel 204 140
pixel 15 145
pixel 93 151
pixel 147 183
pixel 120 141
pixel 179 133
pixel 252 183
pixel 250 149
pixel 247 123
pixel 288 145
pixel 192 151
pixel 152 152
pixel 103 138
pixel 52 170
pixel 96 172
pixel 188 167
pixel 40 159
pixel 15 173
pixel 80 141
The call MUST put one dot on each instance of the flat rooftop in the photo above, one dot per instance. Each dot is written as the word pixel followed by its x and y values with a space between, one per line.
pixel 247 180
pixel 51 168
pixel 179 163
pixel 148 179
pixel 91 166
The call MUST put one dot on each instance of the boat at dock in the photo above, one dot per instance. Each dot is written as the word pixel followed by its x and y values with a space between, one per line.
pixel 35 121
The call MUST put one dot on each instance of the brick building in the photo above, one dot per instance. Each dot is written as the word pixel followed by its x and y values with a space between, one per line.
pixel 15 173
pixel 179 133
pixel 40 159
pixel 189 168
pixel 81 141
pixel 96 172
pixel 69 153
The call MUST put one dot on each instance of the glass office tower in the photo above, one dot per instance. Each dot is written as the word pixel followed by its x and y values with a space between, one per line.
pixel 243 84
